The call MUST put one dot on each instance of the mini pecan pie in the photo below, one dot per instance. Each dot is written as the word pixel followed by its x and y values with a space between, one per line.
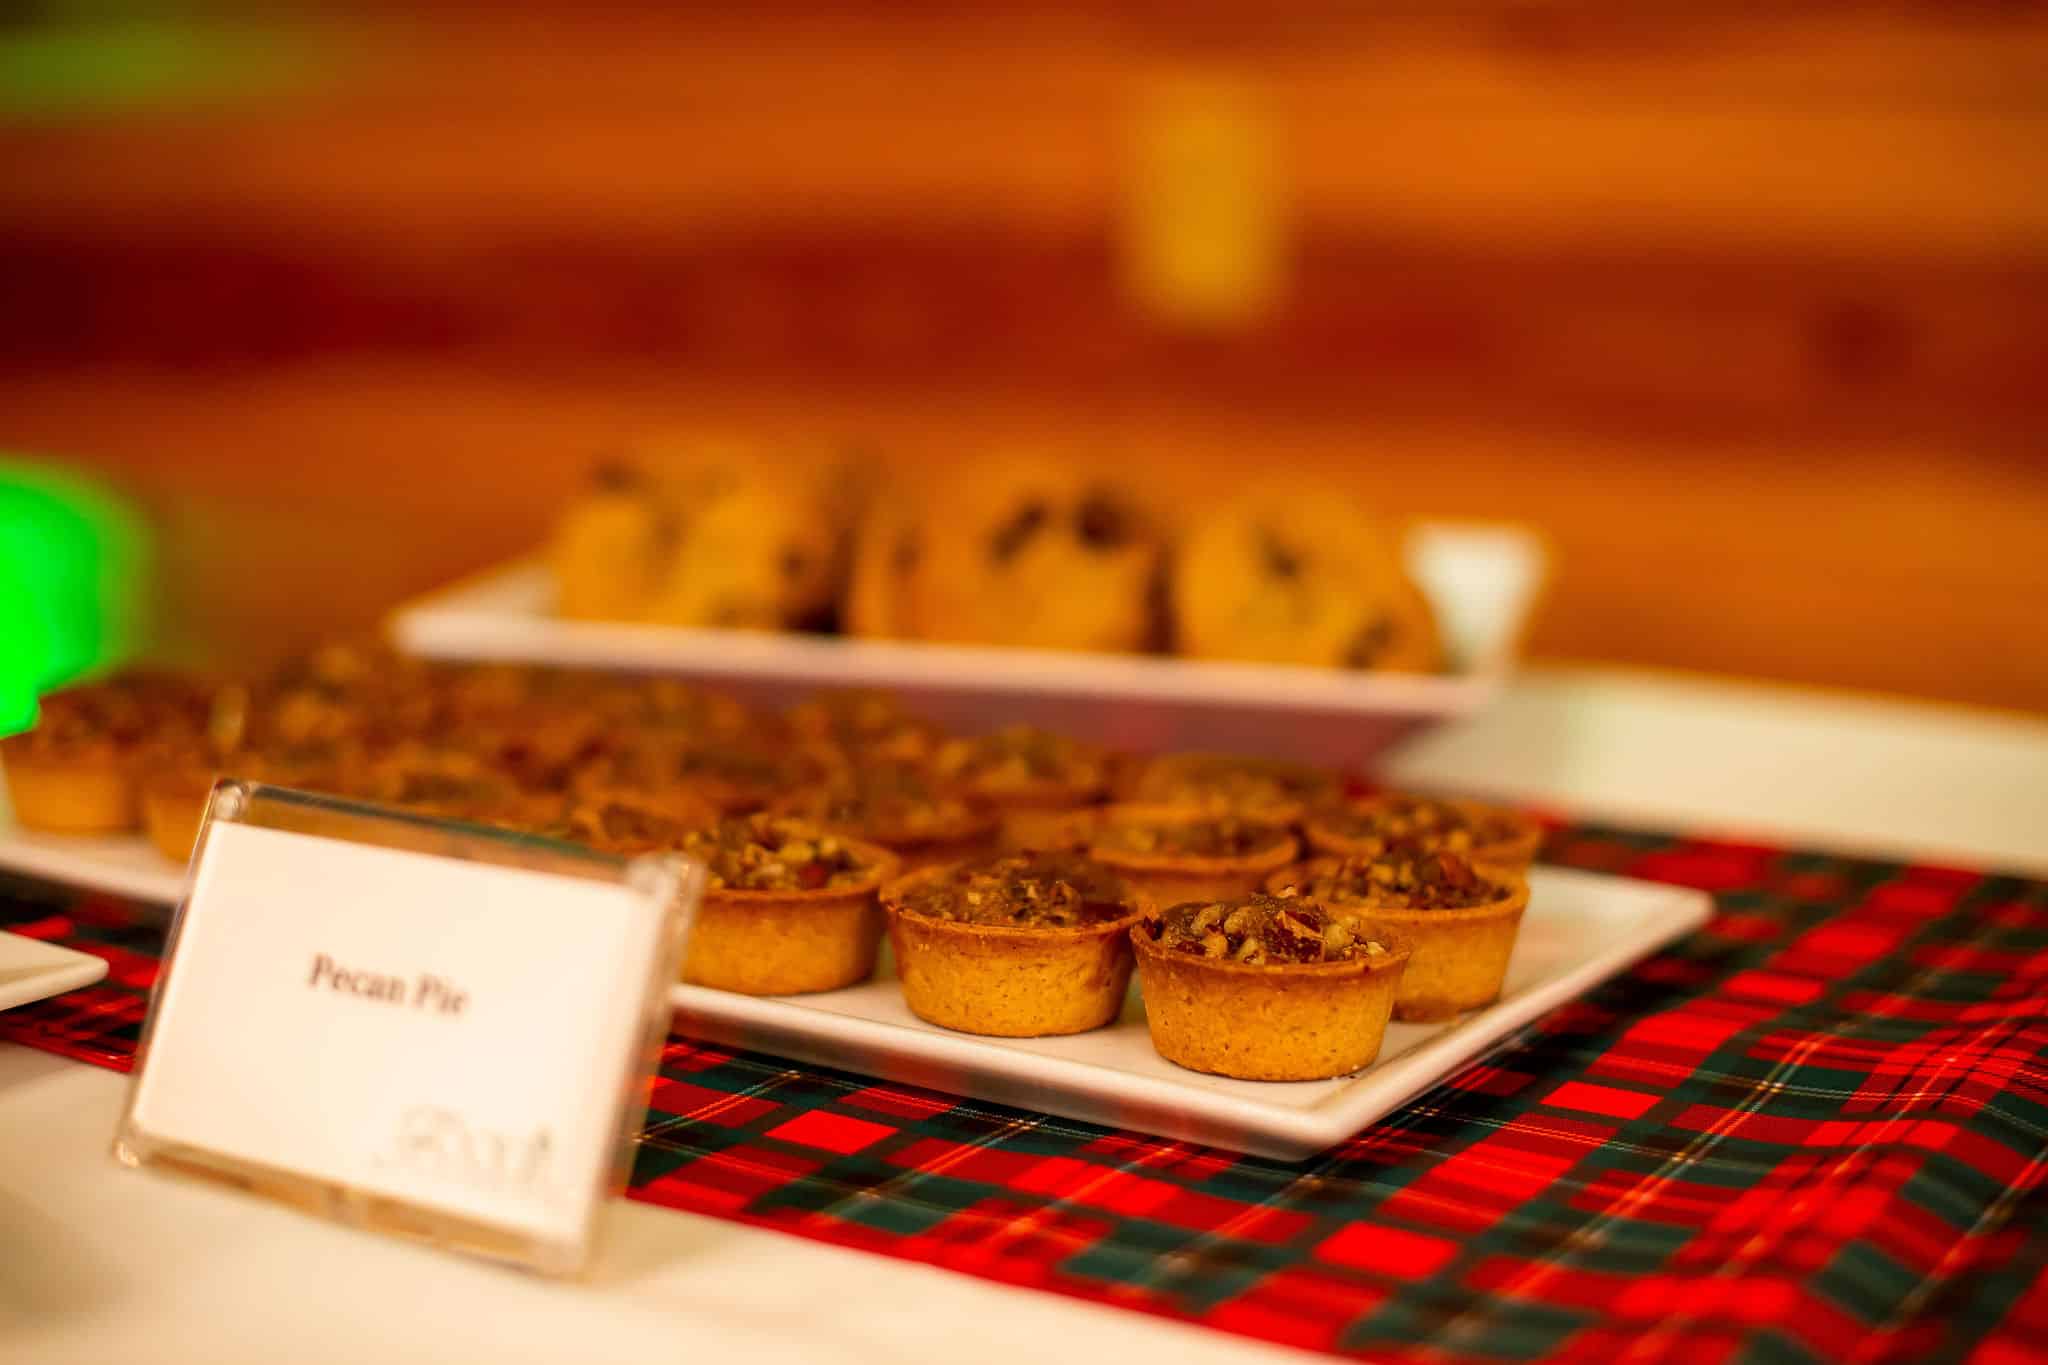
pixel 789 906
pixel 1458 920
pixel 1483 834
pixel 1257 929
pixel 481 694
pixel 172 791
pixel 900 807
pixel 301 717
pixel 1033 779
pixel 632 823
pixel 76 771
pixel 735 775
pixel 1259 788
pixel 177 781
pixel 1264 988
pixel 871 726
pixel 1017 947
pixel 362 694
pixel 445 785
pixel 671 708
pixel 545 755
pixel 1177 854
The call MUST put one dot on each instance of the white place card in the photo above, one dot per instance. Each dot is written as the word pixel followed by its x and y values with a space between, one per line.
pixel 417 1026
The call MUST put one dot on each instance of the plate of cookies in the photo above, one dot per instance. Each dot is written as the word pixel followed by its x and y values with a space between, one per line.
pixel 1287 621
pixel 1247 951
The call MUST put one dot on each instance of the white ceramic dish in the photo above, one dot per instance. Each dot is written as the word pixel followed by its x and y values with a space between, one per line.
pixel 33 970
pixel 125 865
pixel 1482 581
pixel 1579 930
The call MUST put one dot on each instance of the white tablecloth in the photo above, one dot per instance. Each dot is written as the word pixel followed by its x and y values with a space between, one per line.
pixel 105 1265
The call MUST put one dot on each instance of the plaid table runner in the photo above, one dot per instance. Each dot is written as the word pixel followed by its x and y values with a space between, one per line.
pixel 1817 1130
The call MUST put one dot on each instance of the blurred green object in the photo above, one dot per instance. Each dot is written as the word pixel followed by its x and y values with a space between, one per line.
pixel 71 557
pixel 22 651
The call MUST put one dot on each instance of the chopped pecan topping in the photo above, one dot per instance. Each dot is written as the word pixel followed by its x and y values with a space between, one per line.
pixel 889 803
pixel 444 788
pixel 1239 784
pixel 311 717
pixel 341 665
pixel 681 708
pixel 1405 876
pixel 1032 890
pixel 1259 930
pixel 1221 837
pixel 625 827
pixel 1017 756
pixel 735 772
pixel 124 710
pixel 540 757
pixel 774 853
pixel 870 724
pixel 1421 821
pixel 837 715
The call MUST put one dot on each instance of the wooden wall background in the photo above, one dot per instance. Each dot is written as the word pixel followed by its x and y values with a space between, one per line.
pixel 1746 307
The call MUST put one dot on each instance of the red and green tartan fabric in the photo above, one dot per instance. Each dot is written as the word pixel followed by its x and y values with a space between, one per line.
pixel 1817 1130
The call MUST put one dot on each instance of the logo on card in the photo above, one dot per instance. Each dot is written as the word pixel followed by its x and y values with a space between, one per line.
pixel 442 1146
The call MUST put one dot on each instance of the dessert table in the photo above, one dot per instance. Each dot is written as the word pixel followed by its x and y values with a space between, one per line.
pixel 102 1264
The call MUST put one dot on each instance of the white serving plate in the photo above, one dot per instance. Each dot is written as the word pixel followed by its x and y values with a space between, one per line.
pixel 1482 581
pixel 125 865
pixel 33 970
pixel 1579 930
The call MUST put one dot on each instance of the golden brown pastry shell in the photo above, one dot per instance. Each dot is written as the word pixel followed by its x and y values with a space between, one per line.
pixel 87 790
pixel 174 801
pixel 1009 981
pixel 1514 853
pixel 1036 815
pixel 630 774
pixel 1458 957
pixel 790 942
pixel 1295 1021
pixel 1170 879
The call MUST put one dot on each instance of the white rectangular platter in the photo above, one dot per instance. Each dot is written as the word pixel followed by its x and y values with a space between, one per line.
pixel 34 970
pixel 1579 930
pixel 1481 580
pixel 124 865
